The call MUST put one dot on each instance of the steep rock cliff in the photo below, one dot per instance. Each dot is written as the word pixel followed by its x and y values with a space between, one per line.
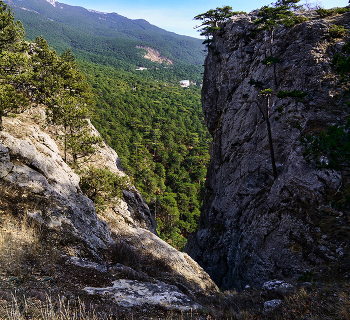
pixel 253 227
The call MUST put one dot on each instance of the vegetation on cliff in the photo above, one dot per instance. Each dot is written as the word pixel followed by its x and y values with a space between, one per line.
pixel 169 169
pixel 12 63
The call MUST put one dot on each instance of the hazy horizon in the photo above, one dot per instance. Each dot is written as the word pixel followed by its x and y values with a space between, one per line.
pixel 176 16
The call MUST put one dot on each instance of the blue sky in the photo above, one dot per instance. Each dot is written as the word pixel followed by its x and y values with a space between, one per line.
pixel 177 16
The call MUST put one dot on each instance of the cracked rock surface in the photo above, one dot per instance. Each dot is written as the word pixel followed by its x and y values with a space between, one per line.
pixel 129 293
pixel 254 228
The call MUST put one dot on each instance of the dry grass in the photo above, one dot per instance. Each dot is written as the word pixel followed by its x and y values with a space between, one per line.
pixel 327 302
pixel 18 242
pixel 22 252
pixel 27 266
pixel 21 309
pixel 59 309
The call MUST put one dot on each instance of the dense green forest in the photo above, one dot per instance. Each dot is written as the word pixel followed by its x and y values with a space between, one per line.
pixel 156 126
pixel 158 131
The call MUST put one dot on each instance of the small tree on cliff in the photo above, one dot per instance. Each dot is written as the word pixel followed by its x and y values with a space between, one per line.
pixel 211 18
pixel 266 94
pixel 63 88
pixel 11 101
pixel 278 14
pixel 44 74
pixel 11 32
pixel 72 113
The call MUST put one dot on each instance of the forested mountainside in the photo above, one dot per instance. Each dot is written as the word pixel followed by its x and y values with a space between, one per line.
pixel 74 231
pixel 155 126
pixel 276 101
pixel 103 38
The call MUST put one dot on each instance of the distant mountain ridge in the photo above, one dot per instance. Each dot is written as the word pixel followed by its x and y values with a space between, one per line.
pixel 91 34
pixel 53 2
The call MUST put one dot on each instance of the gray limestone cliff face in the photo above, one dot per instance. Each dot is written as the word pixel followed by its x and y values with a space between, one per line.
pixel 253 227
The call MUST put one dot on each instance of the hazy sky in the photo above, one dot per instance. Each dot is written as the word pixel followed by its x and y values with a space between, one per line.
pixel 177 16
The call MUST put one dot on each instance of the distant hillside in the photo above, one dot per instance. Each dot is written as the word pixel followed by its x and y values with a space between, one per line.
pixel 106 38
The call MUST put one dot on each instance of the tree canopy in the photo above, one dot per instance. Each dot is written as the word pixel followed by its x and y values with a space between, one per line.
pixel 12 63
pixel 211 18
pixel 158 131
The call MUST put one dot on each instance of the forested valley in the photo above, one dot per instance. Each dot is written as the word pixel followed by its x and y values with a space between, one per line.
pixel 158 131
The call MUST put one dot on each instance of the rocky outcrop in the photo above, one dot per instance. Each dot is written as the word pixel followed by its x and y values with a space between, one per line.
pixel 253 227
pixel 84 249
pixel 159 294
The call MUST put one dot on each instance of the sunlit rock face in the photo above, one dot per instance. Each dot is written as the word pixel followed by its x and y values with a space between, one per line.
pixel 131 293
pixel 91 248
pixel 253 227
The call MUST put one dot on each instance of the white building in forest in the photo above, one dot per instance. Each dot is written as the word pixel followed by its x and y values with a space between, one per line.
pixel 185 83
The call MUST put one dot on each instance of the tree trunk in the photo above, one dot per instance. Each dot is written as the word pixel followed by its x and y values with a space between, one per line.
pixel 65 144
pixel 272 152
pixel 274 64
pixel 274 74
pixel 155 209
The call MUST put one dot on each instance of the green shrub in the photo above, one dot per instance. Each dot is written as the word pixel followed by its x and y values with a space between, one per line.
pixel 267 91
pixel 324 12
pixel 290 22
pixel 270 60
pixel 300 19
pixel 337 31
pixel 256 83
pixel 330 12
pixel 341 63
pixel 334 146
pixel 102 185
pixel 300 95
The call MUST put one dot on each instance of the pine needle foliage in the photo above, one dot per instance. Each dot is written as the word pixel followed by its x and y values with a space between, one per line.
pixel 211 20
pixel 12 63
pixel 337 31
pixel 270 60
pixel 323 13
pixel 102 185
pixel 279 13
pixel 299 95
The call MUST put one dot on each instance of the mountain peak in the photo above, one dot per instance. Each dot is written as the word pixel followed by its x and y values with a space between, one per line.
pixel 52 2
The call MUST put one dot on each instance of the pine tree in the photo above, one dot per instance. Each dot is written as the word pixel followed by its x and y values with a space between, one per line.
pixel 11 32
pixel 71 113
pixel 12 63
pixel 44 73
pixel 212 18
